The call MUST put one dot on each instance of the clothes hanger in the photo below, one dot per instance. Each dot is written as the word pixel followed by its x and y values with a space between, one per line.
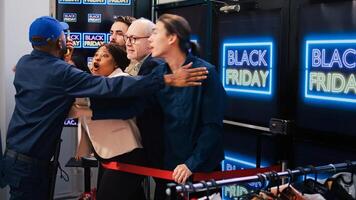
pixel 333 166
pixel 191 186
pixel 207 189
pixel 351 169
pixel 255 195
pixel 277 179
pixel 185 192
pixel 173 192
pixel 291 176
pixel 272 177
pixel 263 180
pixel 303 172
pixel 335 187
pixel 313 186
pixel 315 171
pixel 288 193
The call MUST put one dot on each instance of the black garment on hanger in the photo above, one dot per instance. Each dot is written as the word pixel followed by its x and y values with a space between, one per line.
pixel 337 192
pixel 310 186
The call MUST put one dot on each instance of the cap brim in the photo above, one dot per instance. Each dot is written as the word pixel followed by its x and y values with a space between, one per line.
pixel 64 25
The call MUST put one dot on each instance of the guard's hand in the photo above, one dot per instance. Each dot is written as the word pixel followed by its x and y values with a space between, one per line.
pixel 181 173
pixel 185 76
pixel 70 50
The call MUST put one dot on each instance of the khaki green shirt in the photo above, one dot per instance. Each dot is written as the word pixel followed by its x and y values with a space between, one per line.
pixel 135 67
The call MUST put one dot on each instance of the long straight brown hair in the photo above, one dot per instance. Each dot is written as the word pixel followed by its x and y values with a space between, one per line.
pixel 175 24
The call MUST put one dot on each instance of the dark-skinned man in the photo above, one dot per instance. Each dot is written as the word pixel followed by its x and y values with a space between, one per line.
pixel 45 90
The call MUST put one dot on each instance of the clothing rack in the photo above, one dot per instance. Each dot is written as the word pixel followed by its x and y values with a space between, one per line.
pixel 174 189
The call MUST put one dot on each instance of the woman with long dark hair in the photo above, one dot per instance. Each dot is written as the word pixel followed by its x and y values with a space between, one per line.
pixel 193 115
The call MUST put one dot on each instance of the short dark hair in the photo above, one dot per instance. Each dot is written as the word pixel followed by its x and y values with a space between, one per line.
pixel 118 53
pixel 124 19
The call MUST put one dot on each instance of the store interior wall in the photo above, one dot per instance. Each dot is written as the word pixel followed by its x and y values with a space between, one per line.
pixel 14 23
pixel 2 83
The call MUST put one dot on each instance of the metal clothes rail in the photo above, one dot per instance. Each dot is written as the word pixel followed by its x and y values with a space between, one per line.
pixel 174 189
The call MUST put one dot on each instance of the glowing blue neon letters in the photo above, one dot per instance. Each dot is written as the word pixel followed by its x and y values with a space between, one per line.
pixel 94 18
pixel 97 2
pixel 69 1
pixel 247 67
pixel 118 2
pixel 70 17
pixel 93 40
pixel 89 61
pixel 77 39
pixel 330 70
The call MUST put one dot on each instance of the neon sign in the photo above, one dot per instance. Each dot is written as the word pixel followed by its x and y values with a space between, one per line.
pixel 71 122
pixel 330 70
pixel 94 2
pixel 69 1
pixel 93 40
pixel 108 37
pixel 77 39
pixel 248 67
pixel 89 62
pixel 194 38
pixel 70 17
pixel 119 2
pixel 94 18
pixel 97 2
pixel 234 161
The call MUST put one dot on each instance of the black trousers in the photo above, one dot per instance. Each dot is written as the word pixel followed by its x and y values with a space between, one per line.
pixel 26 180
pixel 116 185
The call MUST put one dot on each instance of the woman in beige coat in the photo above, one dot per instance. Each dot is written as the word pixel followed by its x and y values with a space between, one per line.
pixel 112 139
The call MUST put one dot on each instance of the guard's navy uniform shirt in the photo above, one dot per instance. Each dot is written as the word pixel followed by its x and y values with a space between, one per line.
pixel 45 90
pixel 193 119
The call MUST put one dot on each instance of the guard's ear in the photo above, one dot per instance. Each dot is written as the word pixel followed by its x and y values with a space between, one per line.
pixel 59 43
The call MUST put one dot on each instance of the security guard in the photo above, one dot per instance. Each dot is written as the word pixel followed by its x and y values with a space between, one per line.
pixel 45 90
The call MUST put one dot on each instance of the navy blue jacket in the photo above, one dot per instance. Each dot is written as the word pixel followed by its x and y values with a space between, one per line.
pixel 150 121
pixel 45 90
pixel 149 118
pixel 192 121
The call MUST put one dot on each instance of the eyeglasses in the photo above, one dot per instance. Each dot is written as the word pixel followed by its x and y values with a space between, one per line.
pixel 132 39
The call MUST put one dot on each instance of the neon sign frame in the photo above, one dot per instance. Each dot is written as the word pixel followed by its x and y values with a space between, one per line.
pixel 271 64
pixel 327 97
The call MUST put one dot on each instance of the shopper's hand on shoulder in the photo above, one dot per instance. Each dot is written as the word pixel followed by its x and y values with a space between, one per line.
pixel 186 76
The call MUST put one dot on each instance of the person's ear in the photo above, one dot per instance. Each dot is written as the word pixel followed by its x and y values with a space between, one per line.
pixel 172 38
pixel 59 43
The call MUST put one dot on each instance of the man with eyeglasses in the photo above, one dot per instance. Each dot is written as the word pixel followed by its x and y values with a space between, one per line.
pixel 119 28
pixel 150 120
pixel 137 45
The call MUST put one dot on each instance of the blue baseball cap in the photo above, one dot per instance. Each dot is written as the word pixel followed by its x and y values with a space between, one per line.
pixel 44 29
